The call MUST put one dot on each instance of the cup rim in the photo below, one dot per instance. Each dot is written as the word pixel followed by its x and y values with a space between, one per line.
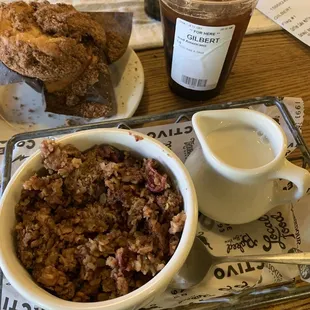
pixel 222 2
pixel 48 300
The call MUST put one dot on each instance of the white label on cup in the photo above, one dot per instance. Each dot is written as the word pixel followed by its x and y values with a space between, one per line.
pixel 199 53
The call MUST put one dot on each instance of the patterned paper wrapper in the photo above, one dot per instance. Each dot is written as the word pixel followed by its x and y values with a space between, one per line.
pixel 284 229
pixel 117 26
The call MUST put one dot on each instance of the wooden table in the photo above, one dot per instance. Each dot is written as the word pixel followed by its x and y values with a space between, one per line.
pixel 274 64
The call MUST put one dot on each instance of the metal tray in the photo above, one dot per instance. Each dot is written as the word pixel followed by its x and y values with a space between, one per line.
pixel 248 299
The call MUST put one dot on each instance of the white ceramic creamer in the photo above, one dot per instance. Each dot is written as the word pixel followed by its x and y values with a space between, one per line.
pixel 234 171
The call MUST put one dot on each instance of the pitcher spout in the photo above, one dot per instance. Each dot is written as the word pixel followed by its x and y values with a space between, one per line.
pixel 206 122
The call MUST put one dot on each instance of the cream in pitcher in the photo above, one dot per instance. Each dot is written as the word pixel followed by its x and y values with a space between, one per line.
pixel 254 149
pixel 242 154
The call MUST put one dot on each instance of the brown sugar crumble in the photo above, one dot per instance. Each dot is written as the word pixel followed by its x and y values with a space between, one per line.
pixel 97 224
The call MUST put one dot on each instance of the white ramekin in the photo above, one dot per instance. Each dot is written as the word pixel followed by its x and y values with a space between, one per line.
pixel 125 140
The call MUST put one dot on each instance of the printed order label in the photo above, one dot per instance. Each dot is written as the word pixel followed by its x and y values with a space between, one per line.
pixel 199 53
pixel 292 15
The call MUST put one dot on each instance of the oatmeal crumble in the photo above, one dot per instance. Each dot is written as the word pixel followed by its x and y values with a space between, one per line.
pixel 98 224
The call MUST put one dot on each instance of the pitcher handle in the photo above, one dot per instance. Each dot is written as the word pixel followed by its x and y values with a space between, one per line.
pixel 298 176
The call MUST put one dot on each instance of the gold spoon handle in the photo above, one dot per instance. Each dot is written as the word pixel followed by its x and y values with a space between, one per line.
pixel 290 258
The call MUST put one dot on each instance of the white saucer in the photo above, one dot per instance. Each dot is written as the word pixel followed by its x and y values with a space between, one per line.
pixel 21 108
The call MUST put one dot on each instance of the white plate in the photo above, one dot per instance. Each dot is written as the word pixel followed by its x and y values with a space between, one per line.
pixel 21 108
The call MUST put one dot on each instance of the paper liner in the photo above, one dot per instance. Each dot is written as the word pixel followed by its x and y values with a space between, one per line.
pixel 101 93
pixel 117 26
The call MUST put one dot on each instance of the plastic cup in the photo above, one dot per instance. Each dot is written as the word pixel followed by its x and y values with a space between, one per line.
pixel 201 42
